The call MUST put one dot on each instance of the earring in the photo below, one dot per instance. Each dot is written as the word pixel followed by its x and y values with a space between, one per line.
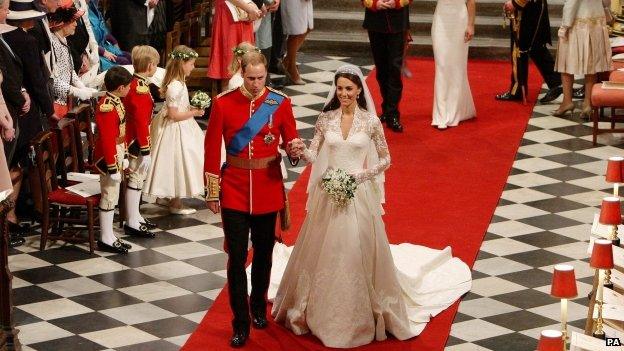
pixel 358 96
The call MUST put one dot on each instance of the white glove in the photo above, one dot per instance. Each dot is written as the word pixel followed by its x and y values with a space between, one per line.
pixel 125 163
pixel 116 177
pixel 78 83
pixel 146 160
pixel 82 93
pixel 563 32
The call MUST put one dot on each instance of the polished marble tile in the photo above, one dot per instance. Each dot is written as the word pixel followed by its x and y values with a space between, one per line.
pixel 138 313
pixel 115 338
pixel 154 291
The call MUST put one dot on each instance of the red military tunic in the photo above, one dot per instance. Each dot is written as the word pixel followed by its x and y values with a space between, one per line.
pixel 139 106
pixel 110 121
pixel 255 191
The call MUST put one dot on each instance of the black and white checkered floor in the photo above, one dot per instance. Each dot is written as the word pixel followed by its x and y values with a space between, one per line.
pixel 155 296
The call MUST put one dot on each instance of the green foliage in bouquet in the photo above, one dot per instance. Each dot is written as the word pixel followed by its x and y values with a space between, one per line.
pixel 339 185
pixel 200 100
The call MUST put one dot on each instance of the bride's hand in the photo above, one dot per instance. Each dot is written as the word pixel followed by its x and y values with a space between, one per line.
pixel 469 34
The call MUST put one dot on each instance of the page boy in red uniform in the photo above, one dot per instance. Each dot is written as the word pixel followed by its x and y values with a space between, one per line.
pixel 110 149
pixel 139 106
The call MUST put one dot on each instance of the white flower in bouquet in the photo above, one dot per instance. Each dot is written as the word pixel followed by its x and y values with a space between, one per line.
pixel 339 185
pixel 200 100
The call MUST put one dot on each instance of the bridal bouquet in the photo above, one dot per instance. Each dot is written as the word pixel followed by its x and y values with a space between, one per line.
pixel 200 100
pixel 339 185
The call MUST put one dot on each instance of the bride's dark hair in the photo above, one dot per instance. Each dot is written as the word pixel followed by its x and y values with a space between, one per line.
pixel 335 103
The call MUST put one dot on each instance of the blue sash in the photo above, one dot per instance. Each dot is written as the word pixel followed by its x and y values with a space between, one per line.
pixel 261 117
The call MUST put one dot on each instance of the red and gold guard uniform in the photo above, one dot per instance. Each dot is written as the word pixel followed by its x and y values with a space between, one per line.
pixel 251 192
pixel 110 147
pixel 139 106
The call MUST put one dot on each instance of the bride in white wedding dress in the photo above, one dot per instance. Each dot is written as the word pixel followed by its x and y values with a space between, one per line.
pixel 342 281
pixel 451 31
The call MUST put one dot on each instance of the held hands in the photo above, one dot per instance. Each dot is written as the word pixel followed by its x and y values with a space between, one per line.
pixel 196 112
pixel 386 4
pixel 469 34
pixel 254 12
pixel 213 206
pixel 563 33
pixel 295 148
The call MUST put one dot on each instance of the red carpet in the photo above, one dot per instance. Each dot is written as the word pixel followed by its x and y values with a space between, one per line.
pixel 441 190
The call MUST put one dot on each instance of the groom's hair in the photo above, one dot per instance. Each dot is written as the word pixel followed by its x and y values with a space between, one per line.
pixel 335 103
pixel 253 58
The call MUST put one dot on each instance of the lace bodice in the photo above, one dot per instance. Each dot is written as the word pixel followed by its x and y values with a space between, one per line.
pixel 351 153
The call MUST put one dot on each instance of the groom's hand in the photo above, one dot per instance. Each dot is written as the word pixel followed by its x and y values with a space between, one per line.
pixel 508 6
pixel 213 206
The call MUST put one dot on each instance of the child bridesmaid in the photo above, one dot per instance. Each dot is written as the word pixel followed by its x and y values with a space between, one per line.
pixel 177 140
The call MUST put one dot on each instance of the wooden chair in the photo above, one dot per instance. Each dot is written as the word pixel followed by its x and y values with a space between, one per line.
pixel 67 147
pixel 172 39
pixel 85 145
pixel 195 27
pixel 185 32
pixel 8 333
pixel 54 198
pixel 603 99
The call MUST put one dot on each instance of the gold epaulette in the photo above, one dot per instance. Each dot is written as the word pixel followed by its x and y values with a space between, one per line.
pixel 142 89
pixel 225 92
pixel 107 105
pixel 277 91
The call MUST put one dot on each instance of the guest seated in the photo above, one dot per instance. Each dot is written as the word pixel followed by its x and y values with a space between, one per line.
pixel 109 51
pixel 66 81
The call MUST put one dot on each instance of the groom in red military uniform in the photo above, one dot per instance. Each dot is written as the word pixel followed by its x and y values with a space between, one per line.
pixel 248 189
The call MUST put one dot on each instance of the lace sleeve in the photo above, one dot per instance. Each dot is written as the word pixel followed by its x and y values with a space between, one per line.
pixel 383 154
pixel 310 153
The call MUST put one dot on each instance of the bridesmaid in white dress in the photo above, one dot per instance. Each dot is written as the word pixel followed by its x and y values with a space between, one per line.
pixel 451 31
pixel 342 281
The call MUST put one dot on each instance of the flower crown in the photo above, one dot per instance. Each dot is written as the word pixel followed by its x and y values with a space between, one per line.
pixel 179 55
pixel 238 51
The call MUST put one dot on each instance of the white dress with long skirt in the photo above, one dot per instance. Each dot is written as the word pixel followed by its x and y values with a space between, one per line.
pixel 342 281
pixel 452 101
pixel 177 150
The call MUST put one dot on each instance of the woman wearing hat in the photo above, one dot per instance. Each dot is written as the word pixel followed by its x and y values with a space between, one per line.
pixel 66 82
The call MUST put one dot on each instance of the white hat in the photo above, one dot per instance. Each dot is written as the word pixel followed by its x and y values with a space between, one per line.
pixel 23 10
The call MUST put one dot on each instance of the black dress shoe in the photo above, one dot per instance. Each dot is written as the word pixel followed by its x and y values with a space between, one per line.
pixel 125 244
pixel 395 125
pixel 149 224
pixel 239 339
pixel 19 229
pixel 259 322
pixel 578 93
pixel 142 231
pixel 507 96
pixel 551 95
pixel 116 247
pixel 15 240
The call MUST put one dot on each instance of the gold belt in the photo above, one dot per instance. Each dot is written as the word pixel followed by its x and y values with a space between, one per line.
pixel 253 163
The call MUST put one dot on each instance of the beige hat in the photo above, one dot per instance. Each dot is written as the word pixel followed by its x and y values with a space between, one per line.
pixel 23 10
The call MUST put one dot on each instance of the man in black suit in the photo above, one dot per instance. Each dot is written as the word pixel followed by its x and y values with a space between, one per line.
pixel 386 22
pixel 131 26
pixel 41 31
pixel 530 32
pixel 26 47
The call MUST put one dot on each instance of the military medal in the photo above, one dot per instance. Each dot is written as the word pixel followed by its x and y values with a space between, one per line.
pixel 269 137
